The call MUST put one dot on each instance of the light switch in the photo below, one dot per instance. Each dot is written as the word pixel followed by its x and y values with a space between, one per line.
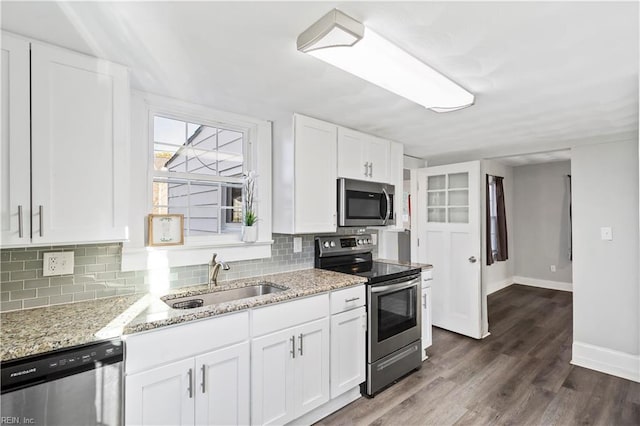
pixel 297 244
pixel 606 234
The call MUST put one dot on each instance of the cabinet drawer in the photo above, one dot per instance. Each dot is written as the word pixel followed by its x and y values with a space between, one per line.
pixel 348 298
pixel 149 349
pixel 427 278
pixel 288 314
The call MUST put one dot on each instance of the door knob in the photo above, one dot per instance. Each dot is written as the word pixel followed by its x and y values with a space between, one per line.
pixel 472 259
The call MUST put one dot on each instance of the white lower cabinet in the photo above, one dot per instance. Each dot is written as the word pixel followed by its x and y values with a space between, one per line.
pixel 348 343
pixel 426 312
pixel 290 372
pixel 160 396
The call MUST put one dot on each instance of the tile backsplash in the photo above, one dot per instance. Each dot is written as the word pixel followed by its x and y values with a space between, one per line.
pixel 97 272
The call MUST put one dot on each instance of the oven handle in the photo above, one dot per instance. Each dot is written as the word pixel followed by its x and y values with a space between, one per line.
pixel 394 287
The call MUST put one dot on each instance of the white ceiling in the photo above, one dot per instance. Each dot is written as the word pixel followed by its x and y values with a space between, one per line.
pixel 535 158
pixel 546 75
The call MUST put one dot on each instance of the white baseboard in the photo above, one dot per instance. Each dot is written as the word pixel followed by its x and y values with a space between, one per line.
pixel 607 361
pixel 330 407
pixel 498 285
pixel 552 285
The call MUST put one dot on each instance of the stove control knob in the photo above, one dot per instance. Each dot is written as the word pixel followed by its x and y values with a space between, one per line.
pixel 333 244
pixel 359 242
pixel 326 244
pixel 368 241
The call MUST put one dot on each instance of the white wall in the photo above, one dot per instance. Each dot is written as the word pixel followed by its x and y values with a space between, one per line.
pixel 541 222
pixel 605 273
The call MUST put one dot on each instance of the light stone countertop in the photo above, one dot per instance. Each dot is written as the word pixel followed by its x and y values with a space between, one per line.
pixel 423 266
pixel 39 330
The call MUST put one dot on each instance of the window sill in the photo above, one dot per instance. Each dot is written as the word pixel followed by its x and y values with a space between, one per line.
pixel 136 259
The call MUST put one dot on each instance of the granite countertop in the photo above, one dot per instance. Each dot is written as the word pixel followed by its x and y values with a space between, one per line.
pixel 423 266
pixel 35 331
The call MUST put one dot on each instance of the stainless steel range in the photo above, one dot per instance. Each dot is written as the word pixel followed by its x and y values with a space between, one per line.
pixel 393 307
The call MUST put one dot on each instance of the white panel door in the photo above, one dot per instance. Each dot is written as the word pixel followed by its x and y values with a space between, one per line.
pixel 312 366
pixel 80 147
pixel 15 180
pixel 161 396
pixel 449 232
pixel 315 176
pixel 272 378
pixel 348 356
pixel 352 149
pixel 222 388
pixel 378 154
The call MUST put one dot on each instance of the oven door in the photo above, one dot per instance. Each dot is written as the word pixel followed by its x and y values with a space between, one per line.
pixel 364 203
pixel 394 316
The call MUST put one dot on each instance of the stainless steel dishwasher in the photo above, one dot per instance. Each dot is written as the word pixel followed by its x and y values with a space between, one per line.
pixel 77 386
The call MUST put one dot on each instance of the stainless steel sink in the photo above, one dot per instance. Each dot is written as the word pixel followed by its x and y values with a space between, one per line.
pixel 206 299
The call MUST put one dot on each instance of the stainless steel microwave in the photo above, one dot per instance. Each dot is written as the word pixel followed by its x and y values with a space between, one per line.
pixel 363 203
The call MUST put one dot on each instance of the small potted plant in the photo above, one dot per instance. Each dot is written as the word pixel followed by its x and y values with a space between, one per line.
pixel 249 217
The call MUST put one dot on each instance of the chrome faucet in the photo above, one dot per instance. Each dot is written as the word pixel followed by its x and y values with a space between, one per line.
pixel 214 269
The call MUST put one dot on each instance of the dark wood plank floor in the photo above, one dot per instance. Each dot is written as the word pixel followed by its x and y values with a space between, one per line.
pixel 518 375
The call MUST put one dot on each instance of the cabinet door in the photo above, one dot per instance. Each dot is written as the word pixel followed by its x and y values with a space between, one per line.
pixel 161 396
pixel 352 148
pixel 80 108
pixel 426 320
pixel 222 388
pixel 14 156
pixel 348 356
pixel 272 378
pixel 312 366
pixel 378 155
pixel 315 176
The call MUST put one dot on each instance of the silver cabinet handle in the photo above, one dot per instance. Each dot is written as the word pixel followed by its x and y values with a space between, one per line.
pixel 472 259
pixel 353 299
pixel 204 374
pixel 424 301
pixel 366 169
pixel 301 350
pixel 41 211
pixel 20 221
pixel 371 169
pixel 190 388
pixel 293 346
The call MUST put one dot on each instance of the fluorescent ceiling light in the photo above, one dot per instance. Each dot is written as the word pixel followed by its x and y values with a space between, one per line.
pixel 345 43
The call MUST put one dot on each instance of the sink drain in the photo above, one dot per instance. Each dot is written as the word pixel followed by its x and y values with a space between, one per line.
pixel 188 304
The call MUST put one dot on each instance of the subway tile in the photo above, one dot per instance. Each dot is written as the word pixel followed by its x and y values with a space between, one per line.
pixel 33 264
pixel 114 250
pixel 78 270
pixel 128 274
pixel 11 266
pixel 74 288
pixel 87 295
pixel 91 287
pixel 100 294
pixel 4 296
pixel 11 285
pixel 95 268
pixel 81 279
pixel 61 280
pixel 96 251
pixel 57 300
pixel 122 291
pixel 5 255
pixel 114 267
pixel 109 259
pixel 41 282
pixel 24 255
pixel 85 260
pixel 106 276
pixel 79 251
pixel 35 303
pixel 135 280
pixel 23 275
pixel 23 294
pixel 4 276
pixel 11 306
pixel 49 291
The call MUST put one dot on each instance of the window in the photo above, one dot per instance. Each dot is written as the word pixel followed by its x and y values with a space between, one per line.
pixel 493 217
pixel 197 172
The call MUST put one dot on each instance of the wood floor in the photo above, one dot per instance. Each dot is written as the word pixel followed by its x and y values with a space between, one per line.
pixel 518 375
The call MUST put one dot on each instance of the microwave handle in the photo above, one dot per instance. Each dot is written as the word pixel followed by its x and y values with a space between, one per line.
pixel 387 206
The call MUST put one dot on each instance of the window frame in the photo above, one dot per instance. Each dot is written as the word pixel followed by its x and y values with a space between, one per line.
pixel 136 254
pixel 247 165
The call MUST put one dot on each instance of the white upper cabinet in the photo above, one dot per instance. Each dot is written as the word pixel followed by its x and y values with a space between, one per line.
pixel 15 197
pixel 65 174
pixel 362 157
pixel 304 195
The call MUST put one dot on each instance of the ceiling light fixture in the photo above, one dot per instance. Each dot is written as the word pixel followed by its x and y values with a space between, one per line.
pixel 345 43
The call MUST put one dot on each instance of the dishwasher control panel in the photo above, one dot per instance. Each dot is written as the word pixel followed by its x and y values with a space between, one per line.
pixel 57 364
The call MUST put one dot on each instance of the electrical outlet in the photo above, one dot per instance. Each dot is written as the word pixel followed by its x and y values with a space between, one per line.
pixel 552 268
pixel 58 263
pixel 606 234
pixel 297 244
